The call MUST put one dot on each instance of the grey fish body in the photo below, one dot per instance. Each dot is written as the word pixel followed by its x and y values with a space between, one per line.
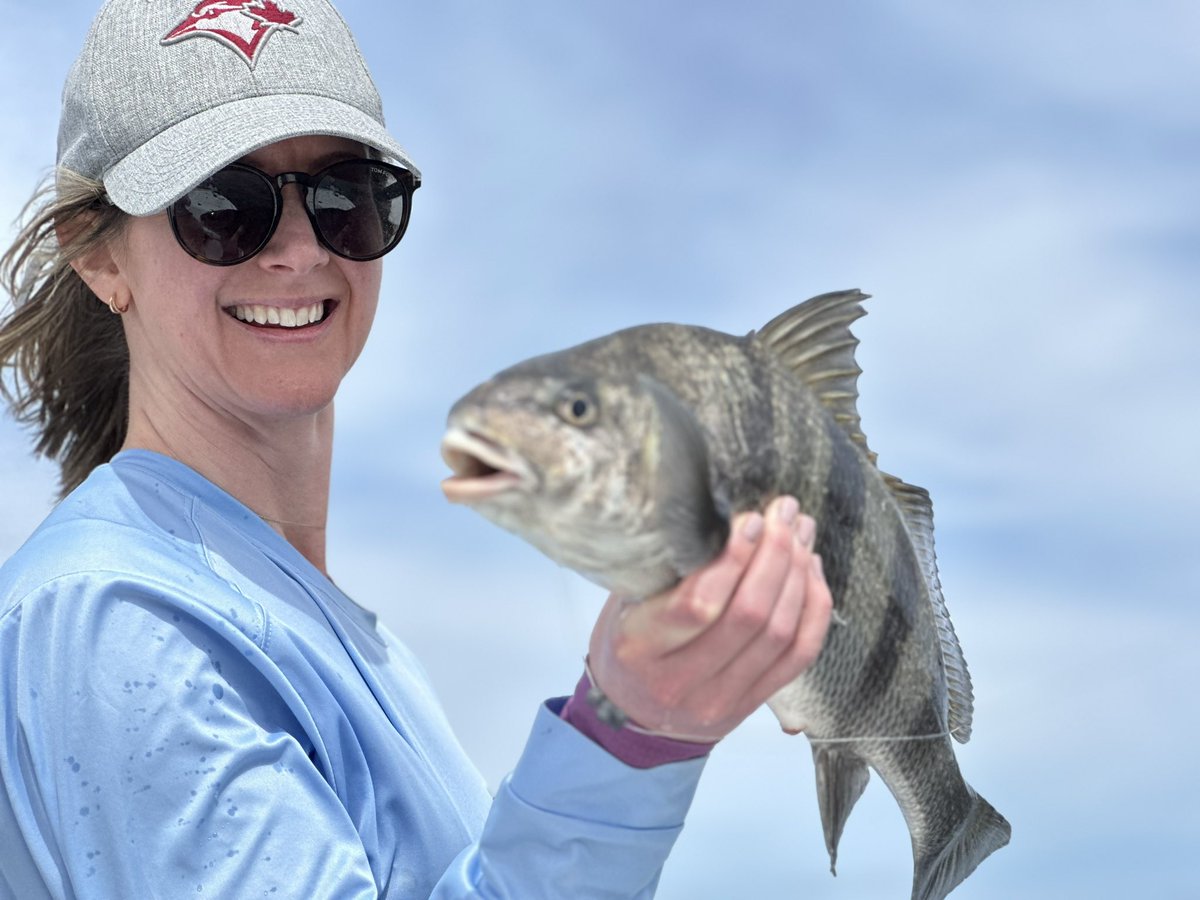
pixel 712 425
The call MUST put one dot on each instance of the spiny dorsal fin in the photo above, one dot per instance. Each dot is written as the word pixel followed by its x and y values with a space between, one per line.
pixel 815 342
pixel 917 508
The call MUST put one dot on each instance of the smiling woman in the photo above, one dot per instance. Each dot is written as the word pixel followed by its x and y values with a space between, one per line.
pixel 198 375
pixel 190 703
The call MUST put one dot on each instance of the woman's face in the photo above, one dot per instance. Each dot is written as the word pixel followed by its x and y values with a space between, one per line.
pixel 189 338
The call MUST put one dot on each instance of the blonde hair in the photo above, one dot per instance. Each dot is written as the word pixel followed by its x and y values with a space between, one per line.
pixel 64 363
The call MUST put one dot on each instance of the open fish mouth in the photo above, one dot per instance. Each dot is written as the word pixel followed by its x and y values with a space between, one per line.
pixel 483 469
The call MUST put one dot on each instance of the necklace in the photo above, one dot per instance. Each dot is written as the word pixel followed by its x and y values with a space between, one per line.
pixel 289 524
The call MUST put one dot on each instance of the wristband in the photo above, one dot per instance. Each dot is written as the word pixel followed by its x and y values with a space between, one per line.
pixel 616 718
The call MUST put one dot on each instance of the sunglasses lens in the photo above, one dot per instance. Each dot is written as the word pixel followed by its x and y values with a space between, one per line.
pixel 361 207
pixel 227 217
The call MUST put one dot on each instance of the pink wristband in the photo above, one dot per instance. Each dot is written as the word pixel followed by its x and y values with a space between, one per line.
pixel 634 748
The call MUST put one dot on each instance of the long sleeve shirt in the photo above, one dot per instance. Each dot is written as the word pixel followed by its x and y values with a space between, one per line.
pixel 189 708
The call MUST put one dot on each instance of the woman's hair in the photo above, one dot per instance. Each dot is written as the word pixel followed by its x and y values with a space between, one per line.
pixel 66 354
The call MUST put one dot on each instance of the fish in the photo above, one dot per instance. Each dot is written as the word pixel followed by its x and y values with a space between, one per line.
pixel 626 457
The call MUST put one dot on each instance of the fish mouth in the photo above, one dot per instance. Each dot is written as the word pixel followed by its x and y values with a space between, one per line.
pixel 483 469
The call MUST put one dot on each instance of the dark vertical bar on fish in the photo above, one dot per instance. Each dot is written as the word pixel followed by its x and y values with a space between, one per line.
pixel 625 457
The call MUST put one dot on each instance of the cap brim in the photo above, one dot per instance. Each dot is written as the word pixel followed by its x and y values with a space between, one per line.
pixel 173 162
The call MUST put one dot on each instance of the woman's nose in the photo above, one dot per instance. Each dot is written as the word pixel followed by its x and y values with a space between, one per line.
pixel 294 244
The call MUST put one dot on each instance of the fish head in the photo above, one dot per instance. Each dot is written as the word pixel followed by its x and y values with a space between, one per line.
pixel 587 467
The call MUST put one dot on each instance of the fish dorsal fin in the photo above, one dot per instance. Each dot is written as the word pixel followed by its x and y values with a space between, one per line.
pixel 814 341
pixel 917 508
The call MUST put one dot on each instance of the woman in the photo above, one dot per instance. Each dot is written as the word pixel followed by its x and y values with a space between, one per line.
pixel 189 704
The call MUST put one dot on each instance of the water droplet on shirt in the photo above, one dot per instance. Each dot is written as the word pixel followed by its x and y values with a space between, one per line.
pixel 218 691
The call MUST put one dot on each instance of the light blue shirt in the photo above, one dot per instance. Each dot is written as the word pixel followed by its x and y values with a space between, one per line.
pixel 189 708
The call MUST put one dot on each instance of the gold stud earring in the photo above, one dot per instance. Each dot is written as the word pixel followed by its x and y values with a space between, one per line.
pixel 117 310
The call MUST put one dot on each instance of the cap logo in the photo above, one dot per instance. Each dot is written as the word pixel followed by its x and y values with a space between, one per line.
pixel 241 25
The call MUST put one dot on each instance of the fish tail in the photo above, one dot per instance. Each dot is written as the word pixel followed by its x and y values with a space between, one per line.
pixel 981 832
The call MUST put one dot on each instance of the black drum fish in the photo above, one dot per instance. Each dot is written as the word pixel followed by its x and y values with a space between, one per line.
pixel 625 458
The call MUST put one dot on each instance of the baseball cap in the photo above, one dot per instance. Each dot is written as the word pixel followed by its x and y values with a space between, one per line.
pixel 166 92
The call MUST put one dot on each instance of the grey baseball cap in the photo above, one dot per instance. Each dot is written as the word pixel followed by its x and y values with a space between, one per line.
pixel 166 92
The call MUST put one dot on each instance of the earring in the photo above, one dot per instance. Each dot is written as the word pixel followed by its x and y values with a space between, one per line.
pixel 117 310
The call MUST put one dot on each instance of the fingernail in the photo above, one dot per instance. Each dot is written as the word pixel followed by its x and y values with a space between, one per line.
pixel 806 531
pixel 786 509
pixel 752 527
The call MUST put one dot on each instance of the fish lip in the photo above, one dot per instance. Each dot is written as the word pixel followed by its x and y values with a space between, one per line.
pixel 483 469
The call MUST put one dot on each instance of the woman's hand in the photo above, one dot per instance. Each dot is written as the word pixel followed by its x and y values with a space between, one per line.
pixel 696 660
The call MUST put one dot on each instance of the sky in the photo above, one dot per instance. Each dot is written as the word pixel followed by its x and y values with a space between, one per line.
pixel 1017 187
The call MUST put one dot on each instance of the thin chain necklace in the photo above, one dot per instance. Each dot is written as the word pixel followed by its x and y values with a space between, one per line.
pixel 291 524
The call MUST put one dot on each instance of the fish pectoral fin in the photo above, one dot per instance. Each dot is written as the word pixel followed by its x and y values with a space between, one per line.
pixel 841 779
pixel 694 519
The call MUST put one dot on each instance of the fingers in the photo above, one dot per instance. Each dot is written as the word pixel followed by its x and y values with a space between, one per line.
pixel 809 636
pixel 814 622
pixel 789 636
pixel 701 657
pixel 675 618
pixel 749 604
pixel 702 598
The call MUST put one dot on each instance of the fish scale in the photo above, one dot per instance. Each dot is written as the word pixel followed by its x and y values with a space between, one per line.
pixel 686 427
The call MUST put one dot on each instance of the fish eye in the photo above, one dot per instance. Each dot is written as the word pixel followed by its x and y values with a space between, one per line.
pixel 577 408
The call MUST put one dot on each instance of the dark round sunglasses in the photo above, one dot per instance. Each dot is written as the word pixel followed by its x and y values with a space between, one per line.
pixel 358 208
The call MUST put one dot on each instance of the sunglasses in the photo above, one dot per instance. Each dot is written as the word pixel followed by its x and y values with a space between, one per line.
pixel 358 208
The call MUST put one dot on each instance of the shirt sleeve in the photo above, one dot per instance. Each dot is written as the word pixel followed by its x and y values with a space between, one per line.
pixel 134 733
pixel 572 820
pixel 146 750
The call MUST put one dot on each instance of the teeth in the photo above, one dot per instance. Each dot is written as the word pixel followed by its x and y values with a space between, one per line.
pixel 283 316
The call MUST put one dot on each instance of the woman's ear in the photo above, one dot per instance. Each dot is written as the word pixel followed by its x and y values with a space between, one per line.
pixel 99 268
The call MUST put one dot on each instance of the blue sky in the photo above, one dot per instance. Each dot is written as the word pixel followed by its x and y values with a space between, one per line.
pixel 1015 184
